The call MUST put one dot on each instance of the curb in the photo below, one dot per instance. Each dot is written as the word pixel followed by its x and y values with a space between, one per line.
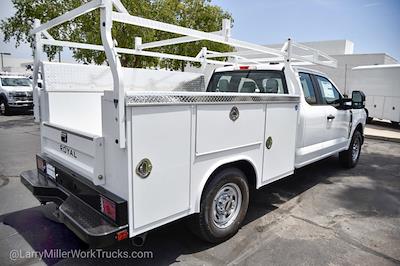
pixel 382 138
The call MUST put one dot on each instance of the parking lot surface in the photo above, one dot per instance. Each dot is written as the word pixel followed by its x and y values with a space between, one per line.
pixel 323 214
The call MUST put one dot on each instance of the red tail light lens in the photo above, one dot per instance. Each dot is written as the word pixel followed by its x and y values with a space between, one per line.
pixel 121 235
pixel 108 208
pixel 244 67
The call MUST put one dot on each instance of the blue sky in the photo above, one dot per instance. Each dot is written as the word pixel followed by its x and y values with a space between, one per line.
pixel 373 25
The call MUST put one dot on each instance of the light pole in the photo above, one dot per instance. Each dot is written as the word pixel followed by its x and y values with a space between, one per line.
pixel 2 62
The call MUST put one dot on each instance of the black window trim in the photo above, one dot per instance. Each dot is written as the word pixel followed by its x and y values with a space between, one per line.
pixel 280 72
pixel 316 91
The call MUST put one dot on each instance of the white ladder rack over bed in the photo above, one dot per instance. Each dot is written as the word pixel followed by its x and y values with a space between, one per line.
pixel 205 56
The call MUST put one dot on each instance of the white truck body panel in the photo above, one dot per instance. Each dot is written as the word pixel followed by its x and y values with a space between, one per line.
pixel 381 85
pixel 102 122
pixel 187 140
pixel 187 135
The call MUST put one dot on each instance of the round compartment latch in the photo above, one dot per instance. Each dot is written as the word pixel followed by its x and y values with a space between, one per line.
pixel 143 169
pixel 234 114
pixel 268 143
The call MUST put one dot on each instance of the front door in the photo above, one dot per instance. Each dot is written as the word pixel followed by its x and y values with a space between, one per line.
pixel 337 119
pixel 324 126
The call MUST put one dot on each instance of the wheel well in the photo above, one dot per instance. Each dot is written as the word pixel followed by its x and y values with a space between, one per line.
pixel 2 96
pixel 242 165
pixel 360 128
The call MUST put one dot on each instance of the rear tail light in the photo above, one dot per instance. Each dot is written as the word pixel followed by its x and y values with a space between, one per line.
pixel 121 235
pixel 108 208
pixel 41 164
pixel 244 67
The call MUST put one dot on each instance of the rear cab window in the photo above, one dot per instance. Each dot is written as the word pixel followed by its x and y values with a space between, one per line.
pixel 249 81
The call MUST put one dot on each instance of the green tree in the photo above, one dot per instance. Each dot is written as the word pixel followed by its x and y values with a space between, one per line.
pixel 196 14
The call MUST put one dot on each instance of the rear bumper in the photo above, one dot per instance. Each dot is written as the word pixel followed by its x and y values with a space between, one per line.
pixel 86 222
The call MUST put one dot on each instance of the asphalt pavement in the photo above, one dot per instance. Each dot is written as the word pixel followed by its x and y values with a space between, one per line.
pixel 321 215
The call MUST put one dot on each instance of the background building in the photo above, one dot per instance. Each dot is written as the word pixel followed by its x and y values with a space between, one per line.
pixel 341 50
pixel 13 64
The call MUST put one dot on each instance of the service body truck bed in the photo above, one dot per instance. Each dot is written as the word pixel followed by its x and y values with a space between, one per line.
pixel 381 85
pixel 124 150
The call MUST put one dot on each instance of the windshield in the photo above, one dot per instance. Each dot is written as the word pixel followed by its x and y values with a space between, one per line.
pixel 249 81
pixel 15 82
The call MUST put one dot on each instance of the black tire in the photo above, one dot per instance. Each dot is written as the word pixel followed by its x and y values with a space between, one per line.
pixel 346 157
pixel 4 108
pixel 203 224
pixel 394 123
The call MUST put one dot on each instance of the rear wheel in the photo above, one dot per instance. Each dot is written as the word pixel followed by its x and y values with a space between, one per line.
pixel 349 158
pixel 223 206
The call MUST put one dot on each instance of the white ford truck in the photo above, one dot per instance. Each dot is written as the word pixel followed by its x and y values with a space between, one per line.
pixel 124 151
pixel 15 92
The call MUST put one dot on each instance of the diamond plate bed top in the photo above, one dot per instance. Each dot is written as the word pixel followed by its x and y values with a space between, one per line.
pixel 174 98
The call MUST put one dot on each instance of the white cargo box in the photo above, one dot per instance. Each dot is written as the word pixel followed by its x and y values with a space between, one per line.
pixel 381 85
pixel 180 132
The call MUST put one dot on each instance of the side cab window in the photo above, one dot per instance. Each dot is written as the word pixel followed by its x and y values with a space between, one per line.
pixel 329 94
pixel 308 88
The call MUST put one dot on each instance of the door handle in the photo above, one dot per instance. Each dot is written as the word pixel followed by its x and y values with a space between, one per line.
pixel 330 117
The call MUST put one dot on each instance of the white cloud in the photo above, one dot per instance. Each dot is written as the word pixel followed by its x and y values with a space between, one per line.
pixel 372 4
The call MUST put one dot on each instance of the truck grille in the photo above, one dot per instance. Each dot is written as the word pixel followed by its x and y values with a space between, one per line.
pixel 23 98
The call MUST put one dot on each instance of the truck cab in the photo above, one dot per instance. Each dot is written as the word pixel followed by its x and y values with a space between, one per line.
pixel 15 93
pixel 326 118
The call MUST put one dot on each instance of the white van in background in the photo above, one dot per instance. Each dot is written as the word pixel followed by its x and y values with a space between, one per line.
pixel 381 85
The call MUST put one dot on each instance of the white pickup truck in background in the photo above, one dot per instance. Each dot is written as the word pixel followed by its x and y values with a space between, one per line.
pixel 15 92
pixel 124 151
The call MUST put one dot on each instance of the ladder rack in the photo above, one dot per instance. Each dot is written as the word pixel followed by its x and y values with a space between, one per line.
pixel 205 56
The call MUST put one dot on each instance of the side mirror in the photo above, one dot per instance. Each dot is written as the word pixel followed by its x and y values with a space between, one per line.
pixel 357 100
pixel 39 84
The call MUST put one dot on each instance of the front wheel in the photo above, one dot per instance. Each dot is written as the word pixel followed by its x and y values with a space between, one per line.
pixel 395 123
pixel 4 108
pixel 223 206
pixel 349 158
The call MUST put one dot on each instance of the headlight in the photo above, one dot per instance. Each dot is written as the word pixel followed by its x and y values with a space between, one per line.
pixel 11 94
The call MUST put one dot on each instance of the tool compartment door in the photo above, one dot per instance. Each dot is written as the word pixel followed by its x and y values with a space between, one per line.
pixel 217 132
pixel 280 141
pixel 80 152
pixel 162 135
pixel 391 110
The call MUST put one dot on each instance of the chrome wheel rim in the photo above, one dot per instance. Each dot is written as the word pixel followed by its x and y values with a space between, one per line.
pixel 226 205
pixel 355 149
